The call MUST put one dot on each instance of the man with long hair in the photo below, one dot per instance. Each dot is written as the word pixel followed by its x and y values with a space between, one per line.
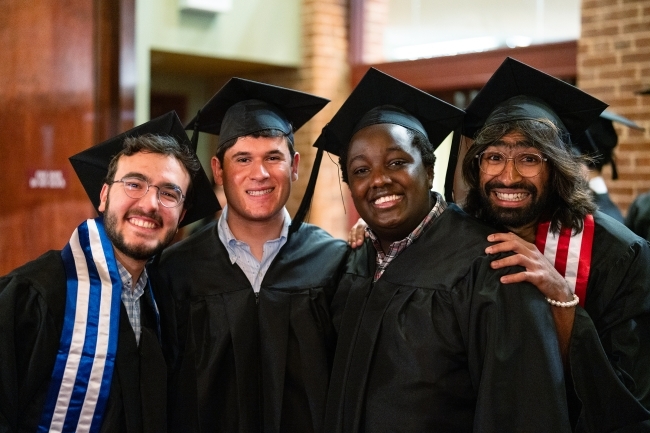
pixel 594 272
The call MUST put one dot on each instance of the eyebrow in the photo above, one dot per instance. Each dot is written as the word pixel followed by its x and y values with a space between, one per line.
pixel 390 149
pixel 148 180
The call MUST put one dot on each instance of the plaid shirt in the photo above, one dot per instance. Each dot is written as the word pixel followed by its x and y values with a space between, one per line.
pixel 131 298
pixel 384 259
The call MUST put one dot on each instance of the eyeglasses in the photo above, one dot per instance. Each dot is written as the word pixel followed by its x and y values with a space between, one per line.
pixel 168 196
pixel 493 163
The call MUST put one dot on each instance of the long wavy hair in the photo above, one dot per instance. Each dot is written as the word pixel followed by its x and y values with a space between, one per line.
pixel 569 197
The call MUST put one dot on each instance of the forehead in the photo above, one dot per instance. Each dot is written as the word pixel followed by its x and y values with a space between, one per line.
pixel 381 137
pixel 155 167
pixel 258 145
pixel 512 140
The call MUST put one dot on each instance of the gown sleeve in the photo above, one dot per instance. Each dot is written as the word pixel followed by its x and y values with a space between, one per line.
pixel 30 334
pixel 513 353
pixel 610 347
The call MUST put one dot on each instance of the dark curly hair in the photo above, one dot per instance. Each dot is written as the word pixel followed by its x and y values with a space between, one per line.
pixel 569 198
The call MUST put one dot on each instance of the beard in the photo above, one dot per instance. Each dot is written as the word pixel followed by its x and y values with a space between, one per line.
pixel 136 252
pixel 512 217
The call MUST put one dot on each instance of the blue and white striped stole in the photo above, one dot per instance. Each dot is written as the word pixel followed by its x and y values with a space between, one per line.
pixel 81 379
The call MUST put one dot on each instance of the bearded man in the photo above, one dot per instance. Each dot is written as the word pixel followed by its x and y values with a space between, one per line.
pixel 80 328
pixel 593 271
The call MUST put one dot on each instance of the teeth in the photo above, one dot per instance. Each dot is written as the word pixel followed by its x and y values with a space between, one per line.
pixel 262 192
pixel 384 199
pixel 142 223
pixel 512 197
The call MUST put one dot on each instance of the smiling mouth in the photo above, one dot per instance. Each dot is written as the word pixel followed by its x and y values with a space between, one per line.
pixel 385 199
pixel 142 223
pixel 518 196
pixel 259 192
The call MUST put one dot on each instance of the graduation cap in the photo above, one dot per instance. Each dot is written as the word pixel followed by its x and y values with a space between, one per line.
pixel 527 93
pixel 521 92
pixel 91 165
pixel 242 107
pixel 600 139
pixel 373 101
pixel 380 98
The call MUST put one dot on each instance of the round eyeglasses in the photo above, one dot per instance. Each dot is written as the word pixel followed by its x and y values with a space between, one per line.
pixel 493 163
pixel 168 196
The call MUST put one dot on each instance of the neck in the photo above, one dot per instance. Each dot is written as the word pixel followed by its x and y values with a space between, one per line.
pixel 133 266
pixel 256 233
pixel 527 232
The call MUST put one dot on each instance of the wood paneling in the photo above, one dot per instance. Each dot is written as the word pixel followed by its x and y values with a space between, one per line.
pixel 473 70
pixel 48 112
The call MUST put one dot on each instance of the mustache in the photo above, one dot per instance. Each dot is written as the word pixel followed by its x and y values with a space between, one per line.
pixel 153 215
pixel 494 184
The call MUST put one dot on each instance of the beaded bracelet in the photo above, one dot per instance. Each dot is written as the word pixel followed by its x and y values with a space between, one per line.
pixel 567 304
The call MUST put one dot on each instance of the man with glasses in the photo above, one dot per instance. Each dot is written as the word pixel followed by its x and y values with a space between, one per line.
pixel 594 272
pixel 80 328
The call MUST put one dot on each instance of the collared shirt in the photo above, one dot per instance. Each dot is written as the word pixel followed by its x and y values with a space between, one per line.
pixel 384 259
pixel 131 298
pixel 240 252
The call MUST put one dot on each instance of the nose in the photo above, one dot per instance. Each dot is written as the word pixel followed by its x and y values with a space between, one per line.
pixel 149 201
pixel 259 171
pixel 380 178
pixel 510 175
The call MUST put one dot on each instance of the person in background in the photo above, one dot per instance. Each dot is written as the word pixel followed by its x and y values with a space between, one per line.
pixel 638 216
pixel 598 143
pixel 80 328
pixel 252 290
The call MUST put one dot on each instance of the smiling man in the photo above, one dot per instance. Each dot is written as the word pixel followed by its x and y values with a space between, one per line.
pixel 594 272
pixel 429 339
pixel 80 328
pixel 253 289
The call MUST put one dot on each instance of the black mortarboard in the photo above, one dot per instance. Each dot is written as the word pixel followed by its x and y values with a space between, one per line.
pixel 525 93
pixel 373 101
pixel 600 139
pixel 380 98
pixel 242 107
pixel 91 166
pixel 531 94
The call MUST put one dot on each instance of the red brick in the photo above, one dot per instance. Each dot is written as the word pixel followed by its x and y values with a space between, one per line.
pixel 635 28
pixel 601 60
pixel 635 58
pixel 606 31
pixel 620 14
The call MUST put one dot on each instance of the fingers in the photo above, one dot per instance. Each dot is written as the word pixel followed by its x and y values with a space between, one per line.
pixel 357 234
pixel 514 260
pixel 509 242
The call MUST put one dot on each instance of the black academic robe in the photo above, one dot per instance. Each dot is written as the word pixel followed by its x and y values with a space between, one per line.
pixel 248 363
pixel 607 206
pixel 32 306
pixel 638 216
pixel 610 342
pixel 437 344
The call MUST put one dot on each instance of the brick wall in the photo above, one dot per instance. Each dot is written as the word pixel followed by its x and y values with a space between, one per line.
pixel 613 64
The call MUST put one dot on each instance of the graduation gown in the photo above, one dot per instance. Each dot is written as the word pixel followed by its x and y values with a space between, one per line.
pixel 248 363
pixel 438 344
pixel 32 306
pixel 638 216
pixel 607 206
pixel 609 352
